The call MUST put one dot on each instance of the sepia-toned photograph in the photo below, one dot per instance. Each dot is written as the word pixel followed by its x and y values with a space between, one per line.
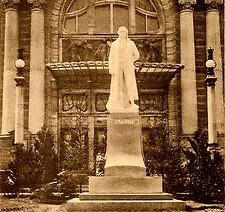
pixel 112 106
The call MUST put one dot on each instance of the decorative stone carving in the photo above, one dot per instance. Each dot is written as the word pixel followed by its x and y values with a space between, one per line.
pixel 10 3
pixel 37 3
pixel 214 1
pixel 187 1
pixel 187 4
pixel 150 49
pixel 213 4
pixel 101 101
pixel 153 102
pixel 74 103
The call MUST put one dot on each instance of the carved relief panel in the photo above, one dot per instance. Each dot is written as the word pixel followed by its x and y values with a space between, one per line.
pixel 97 49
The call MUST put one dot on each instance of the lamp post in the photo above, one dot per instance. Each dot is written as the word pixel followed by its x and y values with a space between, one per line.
pixel 19 105
pixel 211 82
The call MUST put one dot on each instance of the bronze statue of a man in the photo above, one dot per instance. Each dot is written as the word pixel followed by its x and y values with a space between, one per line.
pixel 123 89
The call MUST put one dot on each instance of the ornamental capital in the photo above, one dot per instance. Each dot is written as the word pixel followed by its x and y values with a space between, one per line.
pixel 10 3
pixel 213 4
pixel 37 3
pixel 187 4
pixel 213 1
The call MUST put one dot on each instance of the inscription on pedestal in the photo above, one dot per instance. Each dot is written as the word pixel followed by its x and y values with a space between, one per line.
pixel 125 121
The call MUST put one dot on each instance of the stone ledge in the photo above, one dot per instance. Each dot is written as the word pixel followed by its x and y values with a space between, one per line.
pixel 125 185
pixel 153 196
pixel 120 205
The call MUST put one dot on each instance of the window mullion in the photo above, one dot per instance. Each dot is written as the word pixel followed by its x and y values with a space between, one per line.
pixel 76 18
pixel 111 18
pixel 146 23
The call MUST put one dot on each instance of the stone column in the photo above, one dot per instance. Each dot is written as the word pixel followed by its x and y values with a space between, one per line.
pixel 19 109
pixel 212 137
pixel 10 56
pixel 37 67
pixel 211 105
pixel 132 20
pixel 188 75
pixel 213 40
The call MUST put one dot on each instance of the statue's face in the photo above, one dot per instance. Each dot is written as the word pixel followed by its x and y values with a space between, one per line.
pixel 122 32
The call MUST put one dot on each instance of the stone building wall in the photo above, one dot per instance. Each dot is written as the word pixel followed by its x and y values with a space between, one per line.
pixel 24 42
pixel 200 55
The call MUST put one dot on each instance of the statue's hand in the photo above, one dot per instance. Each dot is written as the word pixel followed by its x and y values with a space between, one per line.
pixel 111 73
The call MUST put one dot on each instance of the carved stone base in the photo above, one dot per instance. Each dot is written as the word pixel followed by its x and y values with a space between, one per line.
pixel 125 185
pixel 123 205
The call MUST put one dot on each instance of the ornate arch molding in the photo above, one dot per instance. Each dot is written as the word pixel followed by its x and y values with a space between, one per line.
pixel 165 7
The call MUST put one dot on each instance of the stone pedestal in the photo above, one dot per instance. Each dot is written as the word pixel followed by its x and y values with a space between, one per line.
pixel 124 151
pixel 125 186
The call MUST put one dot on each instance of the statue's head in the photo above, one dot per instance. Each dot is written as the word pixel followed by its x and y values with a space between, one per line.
pixel 123 32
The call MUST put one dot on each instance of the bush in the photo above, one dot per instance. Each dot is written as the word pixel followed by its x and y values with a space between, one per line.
pixel 162 157
pixel 36 165
pixel 74 150
pixel 67 185
pixel 193 169
pixel 204 169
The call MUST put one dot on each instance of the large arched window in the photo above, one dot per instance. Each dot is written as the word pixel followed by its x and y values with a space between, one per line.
pixel 109 15
pixel 76 18
pixel 147 20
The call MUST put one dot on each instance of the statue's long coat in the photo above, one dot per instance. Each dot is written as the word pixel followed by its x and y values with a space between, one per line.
pixel 122 87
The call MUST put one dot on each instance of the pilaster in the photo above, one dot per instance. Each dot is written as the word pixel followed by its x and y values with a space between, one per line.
pixel 37 67
pixel 188 75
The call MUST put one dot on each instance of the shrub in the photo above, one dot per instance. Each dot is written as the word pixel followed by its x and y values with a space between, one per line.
pixel 193 169
pixel 37 164
pixel 67 185
pixel 204 169
pixel 74 147
pixel 162 157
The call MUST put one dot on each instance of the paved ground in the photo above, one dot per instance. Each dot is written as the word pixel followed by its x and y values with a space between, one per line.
pixel 27 205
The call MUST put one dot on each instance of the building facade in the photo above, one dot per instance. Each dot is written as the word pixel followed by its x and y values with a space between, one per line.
pixel 65 48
